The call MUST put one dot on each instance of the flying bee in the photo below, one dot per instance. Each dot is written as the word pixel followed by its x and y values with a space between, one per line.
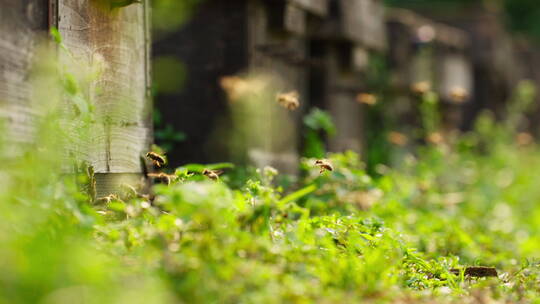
pixel 397 138
pixel 366 98
pixel 421 87
pixel 435 138
pixel 524 139
pixel 212 174
pixel 289 101
pixel 235 87
pixel 324 165
pixel 459 94
pixel 163 178
pixel 156 159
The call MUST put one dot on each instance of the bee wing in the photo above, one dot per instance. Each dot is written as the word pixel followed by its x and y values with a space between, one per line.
pixel 218 172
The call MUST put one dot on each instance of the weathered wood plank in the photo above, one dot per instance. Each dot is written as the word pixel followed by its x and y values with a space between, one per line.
pixel 295 19
pixel 283 16
pixel 456 77
pixel 442 34
pixel 111 183
pixel 117 39
pixel 358 21
pixel 341 90
pixel 317 7
pixel 281 144
pixel 22 27
pixel 363 21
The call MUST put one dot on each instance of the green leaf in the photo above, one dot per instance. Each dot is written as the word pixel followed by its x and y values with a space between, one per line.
pixel 297 194
pixel 199 167
pixel 55 34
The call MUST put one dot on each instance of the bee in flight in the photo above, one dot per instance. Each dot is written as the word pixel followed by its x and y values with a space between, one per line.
pixel 212 174
pixel 163 178
pixel 397 138
pixel 156 159
pixel 421 87
pixel 324 165
pixel 459 94
pixel 366 98
pixel 289 100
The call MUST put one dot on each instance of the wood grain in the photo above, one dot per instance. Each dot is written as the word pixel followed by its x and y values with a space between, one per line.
pixel 363 21
pixel 22 26
pixel 118 39
pixel 281 144
pixel 347 114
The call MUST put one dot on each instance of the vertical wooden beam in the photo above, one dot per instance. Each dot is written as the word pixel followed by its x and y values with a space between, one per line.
pixel 22 23
pixel 278 53
pixel 343 84
pixel 117 38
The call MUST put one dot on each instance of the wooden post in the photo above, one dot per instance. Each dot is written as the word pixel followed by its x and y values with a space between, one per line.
pixel 278 49
pixel 22 25
pixel 343 42
pixel 430 55
pixel 117 37
pixel 92 31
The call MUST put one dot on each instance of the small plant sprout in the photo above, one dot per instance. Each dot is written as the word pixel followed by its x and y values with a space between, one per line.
pixel 290 100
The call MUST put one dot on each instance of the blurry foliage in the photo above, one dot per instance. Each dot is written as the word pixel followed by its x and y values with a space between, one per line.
pixel 257 122
pixel 337 236
pixel 169 74
pixel 169 15
pixel 378 118
pixel 318 126
pixel 524 16
pixel 168 136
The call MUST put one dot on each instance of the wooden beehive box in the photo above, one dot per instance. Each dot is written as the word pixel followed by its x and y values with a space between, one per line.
pixel 343 43
pixel 246 38
pixel 428 54
pixel 490 52
pixel 118 38
pixel 23 25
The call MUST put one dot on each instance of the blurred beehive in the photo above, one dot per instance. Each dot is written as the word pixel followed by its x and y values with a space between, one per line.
pixel 343 43
pixel 318 48
pixel 429 56
pixel 264 40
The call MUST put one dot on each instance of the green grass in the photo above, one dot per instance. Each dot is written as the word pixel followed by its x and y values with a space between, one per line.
pixel 340 236
pixel 343 236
